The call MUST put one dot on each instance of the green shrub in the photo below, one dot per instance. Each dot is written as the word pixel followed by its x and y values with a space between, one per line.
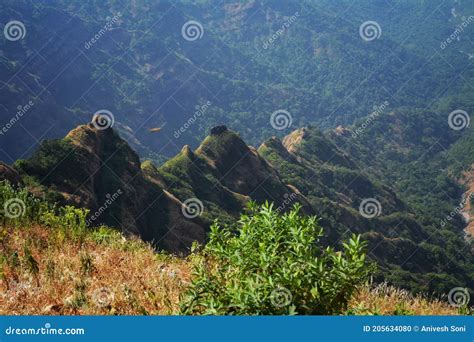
pixel 104 235
pixel 18 206
pixel 272 264
pixel 68 218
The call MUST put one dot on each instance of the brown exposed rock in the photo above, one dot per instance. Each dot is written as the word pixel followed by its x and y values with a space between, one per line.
pixel 340 130
pixel 468 210
pixel 294 139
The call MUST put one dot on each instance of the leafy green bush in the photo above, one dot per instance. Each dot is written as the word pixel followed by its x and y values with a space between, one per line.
pixel 69 219
pixel 18 206
pixel 272 264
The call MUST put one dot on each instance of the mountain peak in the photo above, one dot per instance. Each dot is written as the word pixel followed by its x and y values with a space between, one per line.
pixel 294 139
pixel 311 144
pixel 241 168
pixel 91 137
pixel 274 144
pixel 92 165
pixel 187 151
pixel 223 144
pixel 216 130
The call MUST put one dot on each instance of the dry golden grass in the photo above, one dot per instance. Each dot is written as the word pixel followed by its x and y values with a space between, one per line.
pixel 114 277
pixel 107 274
pixel 383 299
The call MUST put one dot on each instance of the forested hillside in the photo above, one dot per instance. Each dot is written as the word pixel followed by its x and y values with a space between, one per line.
pixel 248 60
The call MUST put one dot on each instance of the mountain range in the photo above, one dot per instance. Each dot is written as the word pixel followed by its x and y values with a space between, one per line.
pixel 174 204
